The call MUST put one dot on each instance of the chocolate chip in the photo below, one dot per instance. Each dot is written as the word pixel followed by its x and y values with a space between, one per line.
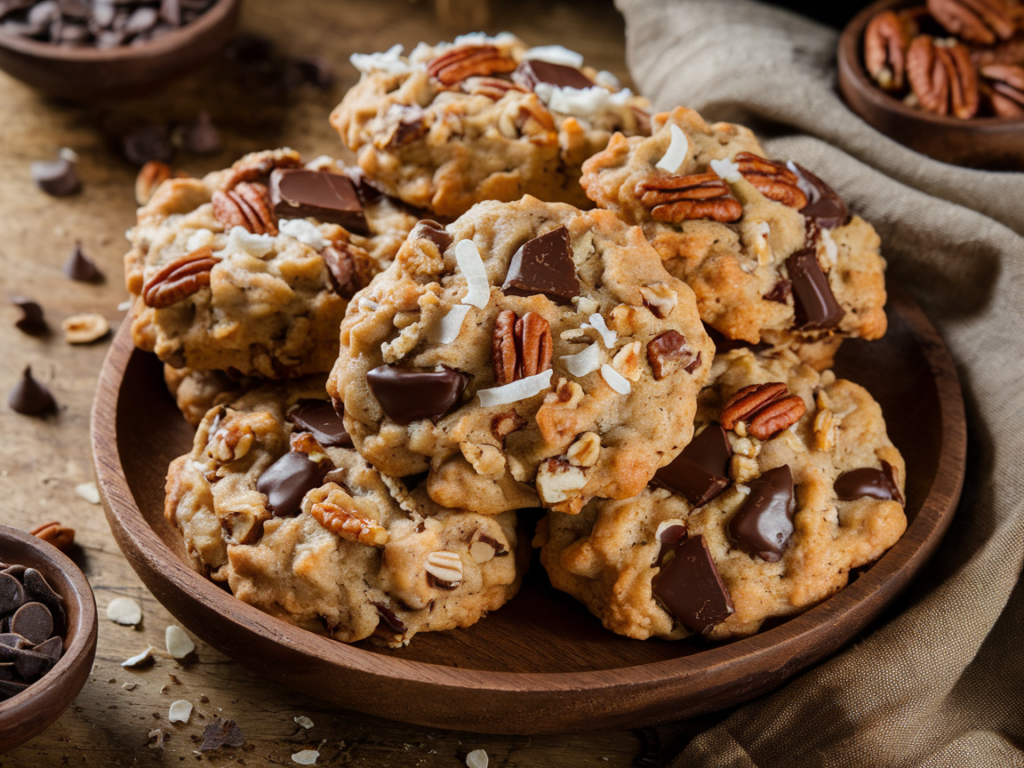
pixel 691 589
pixel 33 621
pixel 297 193
pixel 151 142
pixel 867 481
pixel 201 137
pixel 80 267
pixel 780 292
pixel 533 71
pixel 39 589
pixel 31 320
pixel 8 673
pixel 14 640
pixel 56 177
pixel 434 232
pixel 544 265
pixel 764 524
pixel 319 418
pixel 701 471
pixel 824 207
pixel 31 665
pixel 12 594
pixel 223 733
pixel 288 480
pixel 407 396
pixel 814 303
pixel 29 397
pixel 54 648
pixel 390 619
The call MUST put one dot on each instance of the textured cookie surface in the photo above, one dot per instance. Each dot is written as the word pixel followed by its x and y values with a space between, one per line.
pixel 481 119
pixel 769 249
pixel 222 278
pixel 775 557
pixel 530 353
pixel 272 502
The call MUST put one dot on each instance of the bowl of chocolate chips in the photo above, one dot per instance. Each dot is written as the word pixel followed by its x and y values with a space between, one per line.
pixel 47 635
pixel 83 50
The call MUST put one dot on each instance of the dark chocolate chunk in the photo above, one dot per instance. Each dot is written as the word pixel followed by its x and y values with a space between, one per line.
pixel 668 351
pixel 297 193
pixel 170 11
pixel 201 137
pixel 544 265
pixel 780 292
pixel 80 267
pixel 14 640
pixel 867 481
pixel 824 207
pixel 29 397
pixel 56 177
pixel 54 648
pixel 33 621
pixel 151 142
pixel 341 269
pixel 39 590
pixel 814 303
pixel 31 665
pixel 690 588
pixel 288 479
pixel 390 619
pixel 319 418
pixel 764 524
pixel 701 471
pixel 407 396
pixel 8 673
pixel 10 688
pixel 368 193
pixel 533 71
pixel 223 733
pixel 31 320
pixel 434 232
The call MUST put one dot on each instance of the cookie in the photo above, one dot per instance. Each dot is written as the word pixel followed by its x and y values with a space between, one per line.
pixel 769 249
pixel 249 270
pixel 196 392
pixel 529 353
pixel 483 118
pixel 273 502
pixel 759 521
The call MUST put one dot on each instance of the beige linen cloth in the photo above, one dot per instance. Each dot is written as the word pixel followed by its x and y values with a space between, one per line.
pixel 942 683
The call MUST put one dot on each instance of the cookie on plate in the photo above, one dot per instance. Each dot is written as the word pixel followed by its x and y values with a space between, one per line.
pixel 273 501
pixel 249 270
pixel 529 353
pixel 790 483
pixel 483 118
pixel 769 249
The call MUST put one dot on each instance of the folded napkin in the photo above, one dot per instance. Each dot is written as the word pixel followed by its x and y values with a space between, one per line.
pixel 941 684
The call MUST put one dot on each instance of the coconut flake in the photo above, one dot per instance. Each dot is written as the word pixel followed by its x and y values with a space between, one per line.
pixel 180 711
pixel 477 759
pixel 67 153
pixel 390 61
pixel 306 757
pixel 241 239
pixel 517 390
pixel 125 611
pixel 831 249
pixel 139 659
pixel 727 170
pixel 744 489
pixel 448 329
pixel 615 380
pixel 581 102
pixel 472 266
pixel 555 54
pixel 582 363
pixel 304 231
pixel 321 163
pixel 89 492
pixel 677 150
pixel 200 238
pixel 481 38
pixel 179 645
pixel 304 721
pixel 608 80
pixel 124 306
pixel 597 323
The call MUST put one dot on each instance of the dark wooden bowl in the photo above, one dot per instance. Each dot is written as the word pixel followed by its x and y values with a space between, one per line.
pixel 995 143
pixel 35 708
pixel 86 74
pixel 542 664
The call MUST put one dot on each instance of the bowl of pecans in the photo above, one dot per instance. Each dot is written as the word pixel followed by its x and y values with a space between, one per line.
pixel 944 78
pixel 47 633
pixel 83 50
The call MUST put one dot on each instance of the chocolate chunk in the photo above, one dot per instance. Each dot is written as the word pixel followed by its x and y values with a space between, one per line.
pixel 403 124
pixel 669 351
pixel 764 524
pixel 341 269
pixel 824 207
pixel 701 471
pixel 544 265
pixel 14 640
pixel 780 292
pixel 9 689
pixel 368 193
pixel 533 71
pixel 12 594
pixel 8 673
pixel 31 321
pixel 814 303
pixel 297 193
pixel 31 665
pixel 434 232
pixel 867 481
pixel 390 619
pixel 56 177
pixel 170 11
pixel 54 648
pixel 80 267
pixel 223 733
pixel 407 396
pixel 201 137
pixel 288 479
pixel 39 590
pixel 691 589
pixel 33 621
pixel 29 397
pixel 319 418
pixel 151 142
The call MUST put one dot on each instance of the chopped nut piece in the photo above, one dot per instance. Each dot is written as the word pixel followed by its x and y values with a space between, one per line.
pixel 659 298
pixel 88 491
pixel 585 451
pixel 485 459
pixel 627 361
pixel 444 569
pixel 56 535
pixel 824 430
pixel 85 328
pixel 336 511
pixel 559 481
pixel 139 659
pixel 151 175
pixel 477 759
pixel 743 469
pixel 481 551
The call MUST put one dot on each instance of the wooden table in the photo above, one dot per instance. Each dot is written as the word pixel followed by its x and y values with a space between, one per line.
pixel 41 461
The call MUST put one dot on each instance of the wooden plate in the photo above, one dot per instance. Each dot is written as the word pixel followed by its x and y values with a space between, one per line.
pixel 542 664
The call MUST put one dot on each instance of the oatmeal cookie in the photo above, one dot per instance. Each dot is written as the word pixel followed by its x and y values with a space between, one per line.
pixel 196 392
pixel 769 249
pixel 529 353
pixel 250 269
pixel 482 119
pixel 273 501
pixel 790 483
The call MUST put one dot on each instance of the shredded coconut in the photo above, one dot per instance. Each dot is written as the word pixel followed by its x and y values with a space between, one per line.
pixel 198 239
pixel 582 363
pixel 139 658
pixel 89 492
pixel 831 249
pixel 677 150
pixel 555 54
pixel 615 380
pixel 124 610
pixel 472 266
pixel 304 231
pixel 241 239
pixel 390 61
pixel 597 323
pixel 727 170
pixel 304 721
pixel 179 645
pixel 608 80
pixel 450 325
pixel 306 757
pixel 581 102
pixel 517 390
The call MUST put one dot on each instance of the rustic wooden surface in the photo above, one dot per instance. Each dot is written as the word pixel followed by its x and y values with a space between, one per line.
pixel 41 461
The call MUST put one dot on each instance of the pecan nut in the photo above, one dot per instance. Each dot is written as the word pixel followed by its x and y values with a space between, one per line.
pixel 1005 89
pixel 773 180
pixel 521 348
pixel 349 267
pixel 942 77
pixel 749 400
pixel 459 64
pixel 504 424
pixel 976 21
pixel 492 87
pixel 675 199
pixel 348 523
pixel 55 534
pixel 776 416
pixel 179 279
pixel 668 352
pixel 886 40
pixel 151 175
pixel 247 206
pixel 444 569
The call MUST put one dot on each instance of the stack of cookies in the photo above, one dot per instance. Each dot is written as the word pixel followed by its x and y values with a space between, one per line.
pixel 529 294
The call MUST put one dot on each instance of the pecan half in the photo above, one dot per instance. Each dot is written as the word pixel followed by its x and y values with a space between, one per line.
pixel 676 199
pixel 1007 52
pixel 668 352
pixel 349 524
pixel 886 40
pixel 468 61
pixel 773 180
pixel 776 416
pixel 521 347
pixel 749 400
pixel 179 279
pixel 977 21
pixel 55 534
pixel 151 175
pixel 247 206
pixel 1005 83
pixel 943 77
pixel 491 87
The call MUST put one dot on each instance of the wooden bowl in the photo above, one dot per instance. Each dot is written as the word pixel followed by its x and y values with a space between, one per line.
pixel 85 74
pixel 995 143
pixel 39 705
pixel 542 664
